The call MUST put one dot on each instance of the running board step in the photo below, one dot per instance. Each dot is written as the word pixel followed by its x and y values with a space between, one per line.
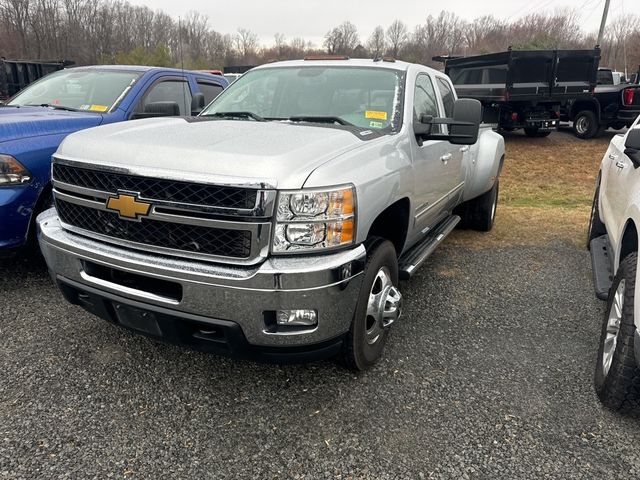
pixel 602 266
pixel 411 260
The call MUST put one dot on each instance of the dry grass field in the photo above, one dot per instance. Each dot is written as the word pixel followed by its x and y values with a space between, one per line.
pixel 546 190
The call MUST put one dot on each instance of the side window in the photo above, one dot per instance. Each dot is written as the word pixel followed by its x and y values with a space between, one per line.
pixel 425 101
pixel 447 96
pixel 210 90
pixel 169 91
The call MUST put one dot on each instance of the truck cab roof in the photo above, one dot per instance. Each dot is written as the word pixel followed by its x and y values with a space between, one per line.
pixel 327 61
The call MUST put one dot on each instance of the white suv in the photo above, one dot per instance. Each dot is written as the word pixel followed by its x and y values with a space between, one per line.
pixel 613 241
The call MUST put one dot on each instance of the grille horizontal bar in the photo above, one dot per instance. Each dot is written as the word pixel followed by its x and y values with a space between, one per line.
pixel 157 189
pixel 176 236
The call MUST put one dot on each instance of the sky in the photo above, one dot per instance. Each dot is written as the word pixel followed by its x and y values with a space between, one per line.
pixel 311 19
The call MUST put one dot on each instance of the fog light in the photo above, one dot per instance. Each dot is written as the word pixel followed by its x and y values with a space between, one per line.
pixel 297 317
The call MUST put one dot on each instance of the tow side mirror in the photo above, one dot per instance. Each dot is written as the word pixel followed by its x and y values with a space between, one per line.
pixel 197 103
pixel 632 147
pixel 422 128
pixel 463 127
pixel 467 116
pixel 159 109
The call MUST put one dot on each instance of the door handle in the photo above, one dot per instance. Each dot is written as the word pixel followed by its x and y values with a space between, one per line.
pixel 620 164
pixel 464 149
pixel 446 158
pixel 613 156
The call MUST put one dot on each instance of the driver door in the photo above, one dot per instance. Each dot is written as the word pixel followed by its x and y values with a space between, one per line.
pixel 436 165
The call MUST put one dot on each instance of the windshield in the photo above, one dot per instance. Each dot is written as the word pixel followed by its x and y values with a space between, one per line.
pixel 78 89
pixel 364 97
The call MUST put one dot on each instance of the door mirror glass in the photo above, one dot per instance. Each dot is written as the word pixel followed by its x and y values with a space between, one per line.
pixel 467 115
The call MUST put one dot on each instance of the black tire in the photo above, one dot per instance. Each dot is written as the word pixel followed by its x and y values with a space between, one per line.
pixel 543 134
pixel 44 202
pixel 618 387
pixel 480 213
pixel 531 132
pixel 619 126
pixel 357 353
pixel 585 124
pixel 596 227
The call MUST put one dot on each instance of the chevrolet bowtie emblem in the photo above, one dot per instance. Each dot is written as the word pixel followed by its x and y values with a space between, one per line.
pixel 128 206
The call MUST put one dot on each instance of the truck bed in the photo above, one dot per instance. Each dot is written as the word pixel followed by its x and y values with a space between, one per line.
pixel 533 75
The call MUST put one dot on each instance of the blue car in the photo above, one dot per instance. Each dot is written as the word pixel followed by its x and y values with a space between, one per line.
pixel 35 121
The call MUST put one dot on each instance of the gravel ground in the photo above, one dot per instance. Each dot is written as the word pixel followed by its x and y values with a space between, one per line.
pixel 488 375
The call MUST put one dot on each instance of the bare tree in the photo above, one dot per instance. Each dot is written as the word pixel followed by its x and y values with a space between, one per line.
pixel 342 39
pixel 397 35
pixel 376 43
pixel 246 43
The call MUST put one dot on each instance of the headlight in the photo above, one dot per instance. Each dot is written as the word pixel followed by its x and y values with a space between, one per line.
pixel 12 172
pixel 314 220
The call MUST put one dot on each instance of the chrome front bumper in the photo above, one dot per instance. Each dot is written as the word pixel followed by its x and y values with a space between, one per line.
pixel 243 295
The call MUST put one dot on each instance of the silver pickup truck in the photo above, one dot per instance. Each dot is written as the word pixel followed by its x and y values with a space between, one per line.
pixel 277 224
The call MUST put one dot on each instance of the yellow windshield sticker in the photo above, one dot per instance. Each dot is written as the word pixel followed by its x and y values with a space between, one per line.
pixel 98 108
pixel 376 115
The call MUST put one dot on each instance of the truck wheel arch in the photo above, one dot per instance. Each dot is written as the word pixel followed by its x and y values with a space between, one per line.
pixel 581 105
pixel 393 224
pixel 629 242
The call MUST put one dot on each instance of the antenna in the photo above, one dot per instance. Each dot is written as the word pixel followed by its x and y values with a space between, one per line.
pixel 185 84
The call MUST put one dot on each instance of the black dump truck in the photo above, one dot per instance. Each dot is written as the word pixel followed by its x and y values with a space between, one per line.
pixel 611 106
pixel 17 74
pixel 525 89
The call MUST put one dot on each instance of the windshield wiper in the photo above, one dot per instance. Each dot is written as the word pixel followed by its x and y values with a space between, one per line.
pixel 55 107
pixel 251 115
pixel 320 119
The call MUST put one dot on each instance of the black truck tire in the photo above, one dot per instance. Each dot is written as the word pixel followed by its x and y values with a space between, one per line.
pixel 534 132
pixel 617 376
pixel 365 341
pixel 596 227
pixel 585 124
pixel 480 213
pixel 619 126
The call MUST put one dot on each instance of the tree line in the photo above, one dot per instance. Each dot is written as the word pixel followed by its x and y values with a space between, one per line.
pixel 115 31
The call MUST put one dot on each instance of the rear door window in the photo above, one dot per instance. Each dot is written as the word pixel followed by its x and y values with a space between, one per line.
pixel 447 96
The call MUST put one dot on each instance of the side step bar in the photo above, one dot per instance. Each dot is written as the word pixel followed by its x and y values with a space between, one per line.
pixel 411 260
pixel 602 266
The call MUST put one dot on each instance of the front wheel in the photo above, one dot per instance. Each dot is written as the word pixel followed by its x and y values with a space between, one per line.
pixel 379 306
pixel 617 376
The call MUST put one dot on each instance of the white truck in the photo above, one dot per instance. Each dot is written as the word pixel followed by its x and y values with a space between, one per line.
pixel 277 224
pixel 613 242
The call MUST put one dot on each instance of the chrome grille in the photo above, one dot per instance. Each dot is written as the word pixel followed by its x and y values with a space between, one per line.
pixel 157 189
pixel 178 236
pixel 226 222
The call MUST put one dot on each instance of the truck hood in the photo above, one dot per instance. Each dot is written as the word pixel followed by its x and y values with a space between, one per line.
pixel 26 122
pixel 278 154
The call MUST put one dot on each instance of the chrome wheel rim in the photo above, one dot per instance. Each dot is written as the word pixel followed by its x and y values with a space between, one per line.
pixel 384 306
pixel 614 318
pixel 582 125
